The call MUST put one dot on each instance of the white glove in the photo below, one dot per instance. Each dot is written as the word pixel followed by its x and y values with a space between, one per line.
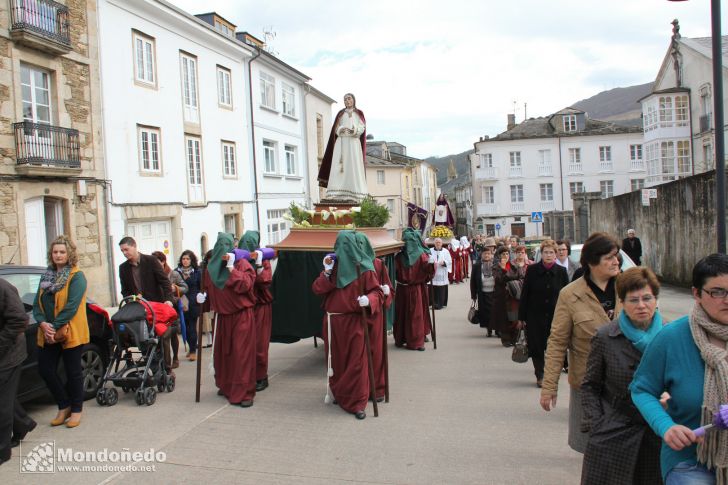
pixel 363 301
pixel 385 289
pixel 201 298
pixel 259 258
pixel 328 266
pixel 231 260
pixel 432 259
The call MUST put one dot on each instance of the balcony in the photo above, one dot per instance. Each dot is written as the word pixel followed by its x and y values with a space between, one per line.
pixel 486 173
pixel 705 123
pixel 546 205
pixel 45 149
pixel 518 207
pixel 41 24
pixel 576 168
pixel 636 166
pixel 544 171
pixel 515 171
pixel 606 166
pixel 487 209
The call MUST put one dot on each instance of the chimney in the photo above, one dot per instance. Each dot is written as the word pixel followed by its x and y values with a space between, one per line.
pixel 511 121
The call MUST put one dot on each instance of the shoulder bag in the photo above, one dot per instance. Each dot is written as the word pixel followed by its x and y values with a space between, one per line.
pixel 473 312
pixel 520 349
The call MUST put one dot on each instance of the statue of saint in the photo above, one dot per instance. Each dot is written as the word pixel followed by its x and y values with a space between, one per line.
pixel 342 168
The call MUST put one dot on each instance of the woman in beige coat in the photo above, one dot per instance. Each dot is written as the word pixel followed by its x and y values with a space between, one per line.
pixel 583 306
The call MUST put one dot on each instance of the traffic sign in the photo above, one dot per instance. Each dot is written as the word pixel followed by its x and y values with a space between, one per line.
pixel 536 216
pixel 497 227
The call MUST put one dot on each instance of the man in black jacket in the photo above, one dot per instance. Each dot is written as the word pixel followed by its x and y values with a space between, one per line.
pixel 13 323
pixel 141 274
pixel 633 247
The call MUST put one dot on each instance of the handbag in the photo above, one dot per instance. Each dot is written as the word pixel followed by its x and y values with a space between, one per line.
pixel 520 349
pixel 514 288
pixel 473 312
pixel 62 333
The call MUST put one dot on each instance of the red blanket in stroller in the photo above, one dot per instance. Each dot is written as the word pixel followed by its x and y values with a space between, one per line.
pixel 166 315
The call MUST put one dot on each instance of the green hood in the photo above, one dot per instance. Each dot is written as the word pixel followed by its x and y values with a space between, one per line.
pixel 349 252
pixel 216 267
pixel 365 245
pixel 250 241
pixel 414 246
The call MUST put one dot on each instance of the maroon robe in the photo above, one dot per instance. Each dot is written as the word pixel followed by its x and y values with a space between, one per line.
pixel 412 302
pixel 456 275
pixel 234 352
pixel 350 382
pixel 263 312
pixel 377 327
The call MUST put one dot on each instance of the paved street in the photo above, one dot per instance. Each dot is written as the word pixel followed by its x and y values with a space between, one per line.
pixel 461 414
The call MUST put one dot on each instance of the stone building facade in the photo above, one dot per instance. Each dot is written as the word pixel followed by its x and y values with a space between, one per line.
pixel 52 178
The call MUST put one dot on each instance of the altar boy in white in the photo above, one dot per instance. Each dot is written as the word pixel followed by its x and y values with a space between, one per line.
pixel 443 265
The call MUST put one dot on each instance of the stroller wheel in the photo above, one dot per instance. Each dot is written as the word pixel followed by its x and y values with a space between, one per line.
pixel 150 395
pixel 139 397
pixel 170 383
pixel 125 389
pixel 112 396
pixel 101 396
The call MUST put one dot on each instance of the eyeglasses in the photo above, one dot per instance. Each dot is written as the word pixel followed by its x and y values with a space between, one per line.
pixel 647 299
pixel 716 292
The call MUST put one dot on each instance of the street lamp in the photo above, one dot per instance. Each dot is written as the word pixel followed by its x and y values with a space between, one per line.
pixel 718 125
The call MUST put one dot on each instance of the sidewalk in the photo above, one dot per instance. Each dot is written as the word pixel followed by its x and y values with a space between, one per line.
pixel 463 413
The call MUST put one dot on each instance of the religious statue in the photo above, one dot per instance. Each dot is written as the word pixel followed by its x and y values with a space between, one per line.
pixel 342 168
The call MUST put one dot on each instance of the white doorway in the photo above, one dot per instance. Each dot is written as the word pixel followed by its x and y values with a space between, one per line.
pixel 153 236
pixel 43 223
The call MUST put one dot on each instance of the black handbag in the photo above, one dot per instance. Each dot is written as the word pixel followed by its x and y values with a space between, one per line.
pixel 520 349
pixel 514 288
pixel 473 312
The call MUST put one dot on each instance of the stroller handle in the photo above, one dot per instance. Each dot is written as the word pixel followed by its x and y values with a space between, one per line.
pixel 143 301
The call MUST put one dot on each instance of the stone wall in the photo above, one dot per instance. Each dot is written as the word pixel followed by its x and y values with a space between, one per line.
pixel 676 230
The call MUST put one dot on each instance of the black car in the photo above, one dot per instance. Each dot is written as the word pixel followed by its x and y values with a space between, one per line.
pixel 95 354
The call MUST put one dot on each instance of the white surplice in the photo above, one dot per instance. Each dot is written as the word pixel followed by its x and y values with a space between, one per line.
pixel 440 278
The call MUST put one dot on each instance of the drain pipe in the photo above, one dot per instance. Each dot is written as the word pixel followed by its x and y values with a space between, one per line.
pixel 252 131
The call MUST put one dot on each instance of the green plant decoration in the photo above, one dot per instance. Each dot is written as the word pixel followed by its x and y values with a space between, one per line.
pixel 371 214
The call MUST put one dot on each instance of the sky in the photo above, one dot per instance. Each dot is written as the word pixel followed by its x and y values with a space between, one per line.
pixel 435 76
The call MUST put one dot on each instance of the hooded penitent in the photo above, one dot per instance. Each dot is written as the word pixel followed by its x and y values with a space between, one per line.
pixel 349 253
pixel 365 245
pixel 216 267
pixel 414 246
pixel 250 241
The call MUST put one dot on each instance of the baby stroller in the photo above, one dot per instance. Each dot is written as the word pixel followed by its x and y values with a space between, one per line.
pixel 135 326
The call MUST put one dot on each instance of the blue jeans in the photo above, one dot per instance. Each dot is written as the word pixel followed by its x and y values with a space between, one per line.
pixel 685 473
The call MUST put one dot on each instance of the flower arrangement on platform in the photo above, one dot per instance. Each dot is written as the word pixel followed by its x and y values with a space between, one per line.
pixel 368 214
pixel 443 232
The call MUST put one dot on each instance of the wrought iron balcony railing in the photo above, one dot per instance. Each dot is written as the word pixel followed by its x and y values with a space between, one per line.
pixel 38 144
pixel 43 17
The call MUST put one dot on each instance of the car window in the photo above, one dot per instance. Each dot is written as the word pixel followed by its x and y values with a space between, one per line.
pixel 26 283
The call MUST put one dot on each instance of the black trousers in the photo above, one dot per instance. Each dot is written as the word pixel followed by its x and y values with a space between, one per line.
pixel 9 379
pixel 191 324
pixel 440 296
pixel 70 395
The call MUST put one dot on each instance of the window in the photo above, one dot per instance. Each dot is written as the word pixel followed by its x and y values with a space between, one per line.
pixel 489 195
pixel 289 100
pixel 516 193
pixel 650 121
pixel 547 192
pixel 607 188
pixel 36 94
pixel 189 88
pixel 267 90
pixel 224 29
pixel 229 168
pixel 665 110
pixel 149 148
pixel 144 59
pixel 681 110
pixel 224 92
pixel 230 226
pixel 667 154
pixel 575 187
pixel 290 159
pixel 575 160
pixel 635 152
pixel 570 123
pixel 708 155
pixel 277 226
pixel 486 160
pixel 380 177
pixel 390 206
pixel 194 170
pixel 683 157
pixel 515 159
pixel 269 151
pixel 636 184
pixel 605 159
pixel 544 157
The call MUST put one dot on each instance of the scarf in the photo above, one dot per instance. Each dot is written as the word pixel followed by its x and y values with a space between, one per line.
pixel 216 267
pixel 640 338
pixel 52 281
pixel 713 451
pixel 185 272
pixel 548 266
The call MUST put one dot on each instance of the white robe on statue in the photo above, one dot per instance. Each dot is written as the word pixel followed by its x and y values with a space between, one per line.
pixel 346 179
pixel 440 278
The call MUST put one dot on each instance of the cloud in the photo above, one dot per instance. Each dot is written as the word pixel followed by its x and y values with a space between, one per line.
pixel 435 76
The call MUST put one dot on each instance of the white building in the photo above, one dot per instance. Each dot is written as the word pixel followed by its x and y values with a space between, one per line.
pixel 176 127
pixel 280 146
pixel 318 126
pixel 678 114
pixel 536 165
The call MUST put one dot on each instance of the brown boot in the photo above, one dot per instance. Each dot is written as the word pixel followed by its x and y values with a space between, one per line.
pixel 61 417
pixel 193 356
pixel 74 420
